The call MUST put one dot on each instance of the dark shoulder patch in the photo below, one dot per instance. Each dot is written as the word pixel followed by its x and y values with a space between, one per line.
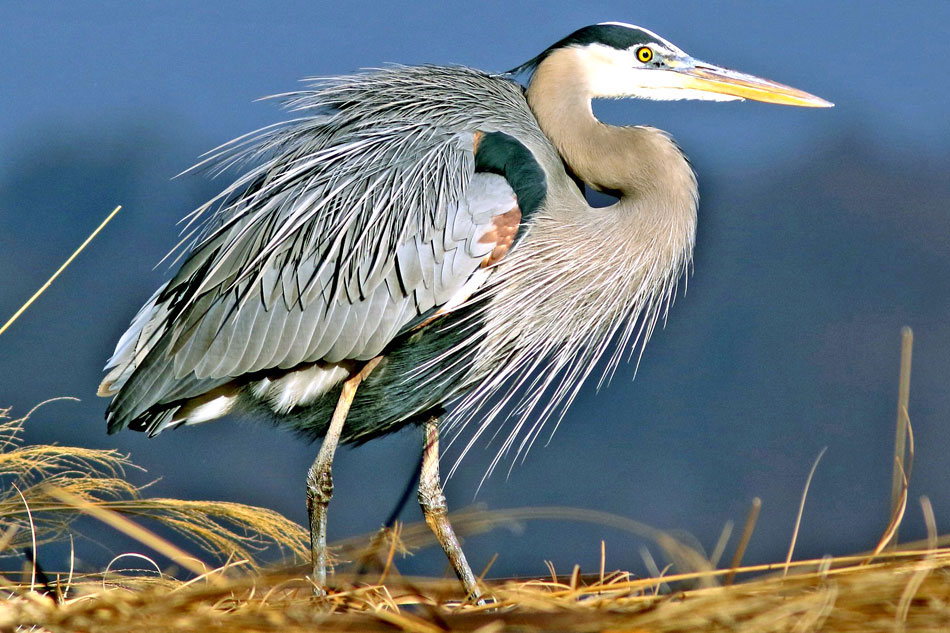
pixel 502 154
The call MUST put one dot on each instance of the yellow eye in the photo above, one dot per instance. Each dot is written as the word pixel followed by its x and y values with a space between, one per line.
pixel 645 54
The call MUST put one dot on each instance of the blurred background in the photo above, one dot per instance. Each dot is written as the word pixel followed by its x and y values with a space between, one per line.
pixel 821 233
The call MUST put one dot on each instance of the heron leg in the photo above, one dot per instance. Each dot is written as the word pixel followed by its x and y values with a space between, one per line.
pixel 432 500
pixel 320 477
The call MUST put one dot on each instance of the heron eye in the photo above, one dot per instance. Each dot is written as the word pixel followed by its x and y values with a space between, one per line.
pixel 645 54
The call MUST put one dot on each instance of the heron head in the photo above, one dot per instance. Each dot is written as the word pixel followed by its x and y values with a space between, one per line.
pixel 621 60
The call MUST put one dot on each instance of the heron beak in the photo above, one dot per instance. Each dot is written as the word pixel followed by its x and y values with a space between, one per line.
pixel 709 78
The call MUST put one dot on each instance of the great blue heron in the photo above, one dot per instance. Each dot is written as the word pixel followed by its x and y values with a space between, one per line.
pixel 420 235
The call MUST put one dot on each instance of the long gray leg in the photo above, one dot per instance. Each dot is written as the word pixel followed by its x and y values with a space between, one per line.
pixel 435 511
pixel 320 477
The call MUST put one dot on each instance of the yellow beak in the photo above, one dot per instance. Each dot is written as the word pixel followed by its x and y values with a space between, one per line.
pixel 709 78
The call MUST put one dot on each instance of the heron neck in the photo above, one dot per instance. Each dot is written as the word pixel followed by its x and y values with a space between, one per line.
pixel 642 164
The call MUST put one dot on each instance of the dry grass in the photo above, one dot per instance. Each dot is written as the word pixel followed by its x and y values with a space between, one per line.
pixel 907 589
pixel 46 487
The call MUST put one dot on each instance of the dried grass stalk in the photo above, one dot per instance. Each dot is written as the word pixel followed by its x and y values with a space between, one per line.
pixel 98 477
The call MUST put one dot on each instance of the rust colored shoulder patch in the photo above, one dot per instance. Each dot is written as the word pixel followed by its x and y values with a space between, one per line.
pixel 503 230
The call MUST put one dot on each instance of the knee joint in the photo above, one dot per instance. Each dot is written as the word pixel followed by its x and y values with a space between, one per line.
pixel 320 485
pixel 432 499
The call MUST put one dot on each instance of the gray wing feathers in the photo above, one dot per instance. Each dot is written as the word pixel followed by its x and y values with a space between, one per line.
pixel 333 323
pixel 134 344
pixel 369 215
pixel 408 266
pixel 435 270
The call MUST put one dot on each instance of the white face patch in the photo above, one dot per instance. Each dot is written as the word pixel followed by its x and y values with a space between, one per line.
pixel 613 73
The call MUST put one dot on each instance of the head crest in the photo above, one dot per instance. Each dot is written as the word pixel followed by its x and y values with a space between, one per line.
pixel 613 34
